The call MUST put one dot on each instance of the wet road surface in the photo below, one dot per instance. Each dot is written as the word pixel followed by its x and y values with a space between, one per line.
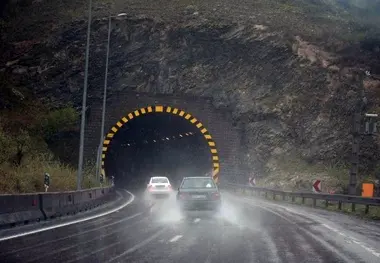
pixel 247 230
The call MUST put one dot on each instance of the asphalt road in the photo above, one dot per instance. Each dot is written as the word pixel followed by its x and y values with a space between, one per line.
pixel 248 230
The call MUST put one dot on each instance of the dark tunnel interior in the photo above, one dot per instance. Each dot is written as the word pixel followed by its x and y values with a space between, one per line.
pixel 157 144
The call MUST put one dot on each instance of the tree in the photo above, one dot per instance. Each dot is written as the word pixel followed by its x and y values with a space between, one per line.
pixel 23 144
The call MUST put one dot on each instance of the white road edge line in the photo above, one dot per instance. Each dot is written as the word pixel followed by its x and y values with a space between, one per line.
pixel 196 220
pixel 320 240
pixel 175 239
pixel 352 239
pixel 71 222
pixel 76 234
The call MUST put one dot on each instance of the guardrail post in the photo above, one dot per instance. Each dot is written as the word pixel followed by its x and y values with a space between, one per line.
pixel 283 196
pixel 293 198
pixel 274 196
pixel 266 194
pixel 303 200
pixel 314 202
pixel 353 207
pixel 327 204
pixel 366 209
pixel 340 205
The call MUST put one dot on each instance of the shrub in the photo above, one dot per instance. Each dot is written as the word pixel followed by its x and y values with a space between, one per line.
pixel 59 120
pixel 6 146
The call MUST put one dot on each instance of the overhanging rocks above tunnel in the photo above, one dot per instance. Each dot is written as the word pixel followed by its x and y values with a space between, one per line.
pixel 218 123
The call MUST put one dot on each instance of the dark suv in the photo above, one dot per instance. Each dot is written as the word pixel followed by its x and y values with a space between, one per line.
pixel 199 193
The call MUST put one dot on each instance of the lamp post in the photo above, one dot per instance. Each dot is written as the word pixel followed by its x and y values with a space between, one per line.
pixel 98 161
pixel 84 101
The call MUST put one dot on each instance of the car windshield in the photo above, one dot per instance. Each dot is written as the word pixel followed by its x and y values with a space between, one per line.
pixel 160 180
pixel 198 183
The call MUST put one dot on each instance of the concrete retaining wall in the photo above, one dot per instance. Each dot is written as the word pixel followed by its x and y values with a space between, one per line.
pixel 28 208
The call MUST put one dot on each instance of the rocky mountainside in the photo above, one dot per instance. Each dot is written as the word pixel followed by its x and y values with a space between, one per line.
pixel 292 73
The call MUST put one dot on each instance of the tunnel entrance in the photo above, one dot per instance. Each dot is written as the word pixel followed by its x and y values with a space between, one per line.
pixel 158 141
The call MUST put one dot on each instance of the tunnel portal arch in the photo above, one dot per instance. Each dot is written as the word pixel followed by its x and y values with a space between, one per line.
pixel 164 110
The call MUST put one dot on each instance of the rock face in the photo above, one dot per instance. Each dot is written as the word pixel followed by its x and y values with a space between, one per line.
pixel 289 96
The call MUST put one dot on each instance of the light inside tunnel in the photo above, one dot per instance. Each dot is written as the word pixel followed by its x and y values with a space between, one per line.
pixel 158 144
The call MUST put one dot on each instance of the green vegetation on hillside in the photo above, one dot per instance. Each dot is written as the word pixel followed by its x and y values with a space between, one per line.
pixel 26 126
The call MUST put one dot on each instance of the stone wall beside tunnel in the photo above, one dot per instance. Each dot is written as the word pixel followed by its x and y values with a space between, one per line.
pixel 219 124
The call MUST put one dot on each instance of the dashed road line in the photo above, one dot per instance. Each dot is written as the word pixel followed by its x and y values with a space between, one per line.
pixel 175 239
pixel 139 245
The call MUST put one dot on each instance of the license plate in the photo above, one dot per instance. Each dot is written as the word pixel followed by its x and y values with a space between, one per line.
pixel 199 196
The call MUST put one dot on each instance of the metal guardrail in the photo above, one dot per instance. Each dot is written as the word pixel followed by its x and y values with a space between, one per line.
pixel 328 198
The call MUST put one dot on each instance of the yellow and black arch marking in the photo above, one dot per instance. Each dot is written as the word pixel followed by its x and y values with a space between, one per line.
pixel 170 110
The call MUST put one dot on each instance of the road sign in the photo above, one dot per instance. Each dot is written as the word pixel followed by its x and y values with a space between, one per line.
pixel 252 181
pixel 316 186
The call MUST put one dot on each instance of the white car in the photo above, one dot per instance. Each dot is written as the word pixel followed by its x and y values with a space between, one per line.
pixel 159 186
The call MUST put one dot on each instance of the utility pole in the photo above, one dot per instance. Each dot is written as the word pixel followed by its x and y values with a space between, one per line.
pixel 357 133
pixel 84 101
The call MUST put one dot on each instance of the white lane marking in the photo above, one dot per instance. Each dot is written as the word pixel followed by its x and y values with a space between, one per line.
pixel 98 237
pixel 175 239
pixel 71 222
pixel 196 220
pixel 139 245
pixel 350 238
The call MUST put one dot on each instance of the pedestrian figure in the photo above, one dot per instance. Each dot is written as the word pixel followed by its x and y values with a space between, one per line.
pixel 46 181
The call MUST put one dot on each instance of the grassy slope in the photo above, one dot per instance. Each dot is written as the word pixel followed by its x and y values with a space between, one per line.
pixel 28 177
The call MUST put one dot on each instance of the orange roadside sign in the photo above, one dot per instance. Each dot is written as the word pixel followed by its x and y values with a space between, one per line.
pixel 367 190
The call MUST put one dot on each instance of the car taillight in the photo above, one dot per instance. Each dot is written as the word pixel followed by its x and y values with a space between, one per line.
pixel 215 196
pixel 150 187
pixel 169 186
